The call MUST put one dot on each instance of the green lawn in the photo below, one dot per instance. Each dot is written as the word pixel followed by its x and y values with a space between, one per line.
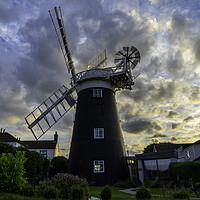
pixel 95 191
pixel 163 194
pixel 7 196
pixel 116 195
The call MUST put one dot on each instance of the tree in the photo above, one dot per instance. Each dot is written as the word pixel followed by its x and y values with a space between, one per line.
pixel 60 164
pixel 37 166
pixel 149 148
pixel 12 171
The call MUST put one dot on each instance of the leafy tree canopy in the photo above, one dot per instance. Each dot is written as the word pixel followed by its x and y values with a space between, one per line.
pixel 149 148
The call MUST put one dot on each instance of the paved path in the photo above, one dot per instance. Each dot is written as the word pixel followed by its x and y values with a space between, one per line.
pixel 93 198
pixel 129 191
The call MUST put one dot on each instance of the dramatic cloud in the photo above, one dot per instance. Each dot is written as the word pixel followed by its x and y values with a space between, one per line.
pixel 176 125
pixel 158 135
pixel 172 114
pixel 188 119
pixel 141 126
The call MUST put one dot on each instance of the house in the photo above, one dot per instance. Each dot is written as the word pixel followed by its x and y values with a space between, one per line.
pixel 49 148
pixel 9 139
pixel 164 154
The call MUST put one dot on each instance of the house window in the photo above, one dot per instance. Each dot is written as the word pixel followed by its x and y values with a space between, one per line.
pixel 98 166
pixel 97 92
pixel 44 152
pixel 98 133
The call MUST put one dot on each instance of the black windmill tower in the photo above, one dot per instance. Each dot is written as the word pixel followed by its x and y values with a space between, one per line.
pixel 97 148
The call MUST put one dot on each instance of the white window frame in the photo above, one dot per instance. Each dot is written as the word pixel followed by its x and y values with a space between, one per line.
pixel 98 166
pixel 43 152
pixel 97 92
pixel 98 133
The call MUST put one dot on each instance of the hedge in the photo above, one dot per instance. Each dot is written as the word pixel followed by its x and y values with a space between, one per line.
pixel 183 173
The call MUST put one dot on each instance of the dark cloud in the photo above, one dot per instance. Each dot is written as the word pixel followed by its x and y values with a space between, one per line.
pixel 158 135
pixel 176 125
pixel 196 49
pixel 12 109
pixel 7 13
pixel 179 27
pixel 188 119
pixel 172 114
pixel 42 71
pixel 139 126
pixel 195 94
pixel 145 91
pixel 154 67
pixel 175 65
pixel 104 30
pixel 173 139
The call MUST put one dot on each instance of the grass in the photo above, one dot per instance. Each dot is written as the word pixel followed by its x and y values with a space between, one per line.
pixel 116 194
pixel 163 193
pixel 7 196
pixel 95 191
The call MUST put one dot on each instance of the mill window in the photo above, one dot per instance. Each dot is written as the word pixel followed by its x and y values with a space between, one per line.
pixel 97 92
pixel 98 166
pixel 98 133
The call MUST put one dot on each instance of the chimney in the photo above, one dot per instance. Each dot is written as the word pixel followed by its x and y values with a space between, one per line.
pixel 56 137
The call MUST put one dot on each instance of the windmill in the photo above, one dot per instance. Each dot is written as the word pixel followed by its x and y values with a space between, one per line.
pixel 97 149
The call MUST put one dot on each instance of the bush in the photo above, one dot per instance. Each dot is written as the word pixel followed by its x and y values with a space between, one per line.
pixel 12 171
pixel 182 173
pixel 27 190
pixel 36 166
pixel 106 193
pixel 48 191
pixel 180 194
pixel 143 193
pixel 77 193
pixel 128 183
pixel 60 163
pixel 65 183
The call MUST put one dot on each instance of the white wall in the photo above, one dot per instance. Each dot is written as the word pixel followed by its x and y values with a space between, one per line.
pixel 50 152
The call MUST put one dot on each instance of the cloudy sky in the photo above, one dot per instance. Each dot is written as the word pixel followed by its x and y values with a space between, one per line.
pixel 164 105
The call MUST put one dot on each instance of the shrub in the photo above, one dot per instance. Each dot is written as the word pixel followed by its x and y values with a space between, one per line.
pixel 48 191
pixel 64 183
pixel 12 171
pixel 106 193
pixel 180 194
pixel 143 193
pixel 36 166
pixel 6 148
pixel 27 190
pixel 60 163
pixel 182 173
pixel 77 193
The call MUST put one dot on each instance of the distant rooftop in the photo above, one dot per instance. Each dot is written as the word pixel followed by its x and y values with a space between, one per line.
pixel 168 146
pixel 7 137
pixel 41 144
pixel 31 144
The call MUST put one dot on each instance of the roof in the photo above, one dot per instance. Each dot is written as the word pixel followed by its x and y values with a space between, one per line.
pixel 42 144
pixel 158 155
pixel 6 137
pixel 95 73
pixel 168 146
pixel 197 142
